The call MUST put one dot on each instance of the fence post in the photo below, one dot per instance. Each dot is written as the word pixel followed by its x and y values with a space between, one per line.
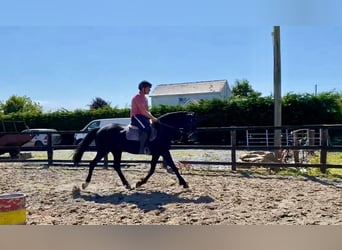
pixel 295 143
pixel 233 151
pixel 324 145
pixel 49 149
pixel 311 137
pixel 247 138
pixel 105 162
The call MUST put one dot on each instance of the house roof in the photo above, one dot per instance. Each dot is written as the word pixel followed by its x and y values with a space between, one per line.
pixel 189 88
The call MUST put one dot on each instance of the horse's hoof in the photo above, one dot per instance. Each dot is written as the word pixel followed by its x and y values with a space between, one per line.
pixel 84 185
pixel 76 191
pixel 128 187
pixel 169 171
pixel 138 184
pixel 185 185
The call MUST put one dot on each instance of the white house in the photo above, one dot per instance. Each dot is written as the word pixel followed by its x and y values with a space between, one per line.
pixel 189 92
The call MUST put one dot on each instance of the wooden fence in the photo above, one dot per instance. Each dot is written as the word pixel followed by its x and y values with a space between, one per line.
pixel 318 138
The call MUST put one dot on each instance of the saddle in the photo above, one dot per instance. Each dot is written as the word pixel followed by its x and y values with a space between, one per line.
pixel 133 134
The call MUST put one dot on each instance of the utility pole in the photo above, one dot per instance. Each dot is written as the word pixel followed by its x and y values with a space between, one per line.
pixel 277 85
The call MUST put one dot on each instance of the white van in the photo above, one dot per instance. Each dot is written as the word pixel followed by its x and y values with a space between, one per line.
pixel 99 123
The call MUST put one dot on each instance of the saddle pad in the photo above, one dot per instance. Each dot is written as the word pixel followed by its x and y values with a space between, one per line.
pixel 132 133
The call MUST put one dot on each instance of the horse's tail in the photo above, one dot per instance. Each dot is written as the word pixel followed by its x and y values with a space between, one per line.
pixel 81 148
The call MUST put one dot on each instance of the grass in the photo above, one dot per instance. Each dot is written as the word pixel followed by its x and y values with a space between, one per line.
pixel 332 158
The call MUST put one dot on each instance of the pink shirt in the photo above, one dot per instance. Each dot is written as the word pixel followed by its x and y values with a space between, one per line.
pixel 139 102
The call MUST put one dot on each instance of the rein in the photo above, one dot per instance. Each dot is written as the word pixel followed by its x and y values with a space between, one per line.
pixel 173 127
pixel 169 126
pixel 181 130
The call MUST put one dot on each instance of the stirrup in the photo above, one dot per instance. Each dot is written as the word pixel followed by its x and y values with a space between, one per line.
pixel 147 151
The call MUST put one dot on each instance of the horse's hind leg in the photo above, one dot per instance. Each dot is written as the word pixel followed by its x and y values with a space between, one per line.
pixel 92 165
pixel 152 169
pixel 169 161
pixel 117 167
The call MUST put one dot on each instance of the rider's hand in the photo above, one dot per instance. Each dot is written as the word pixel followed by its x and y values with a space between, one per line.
pixel 154 119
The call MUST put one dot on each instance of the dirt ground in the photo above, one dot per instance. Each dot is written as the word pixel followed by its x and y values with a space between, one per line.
pixel 221 197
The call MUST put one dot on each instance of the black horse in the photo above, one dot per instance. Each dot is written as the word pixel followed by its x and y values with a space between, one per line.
pixel 112 138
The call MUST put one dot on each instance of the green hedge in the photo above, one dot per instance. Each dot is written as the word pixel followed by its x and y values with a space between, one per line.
pixel 297 109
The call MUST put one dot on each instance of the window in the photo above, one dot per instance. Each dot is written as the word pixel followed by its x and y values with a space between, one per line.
pixel 94 125
pixel 183 100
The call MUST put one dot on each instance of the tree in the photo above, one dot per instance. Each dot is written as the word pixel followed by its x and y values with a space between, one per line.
pixel 98 103
pixel 242 88
pixel 20 104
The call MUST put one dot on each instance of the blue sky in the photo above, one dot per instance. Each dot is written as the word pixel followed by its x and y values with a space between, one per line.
pixel 65 54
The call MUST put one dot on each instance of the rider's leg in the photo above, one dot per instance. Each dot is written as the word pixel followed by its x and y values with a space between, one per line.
pixel 143 123
pixel 143 139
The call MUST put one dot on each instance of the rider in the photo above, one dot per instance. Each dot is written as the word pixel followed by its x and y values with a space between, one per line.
pixel 141 116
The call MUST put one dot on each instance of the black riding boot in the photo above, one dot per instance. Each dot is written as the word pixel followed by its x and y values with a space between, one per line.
pixel 143 139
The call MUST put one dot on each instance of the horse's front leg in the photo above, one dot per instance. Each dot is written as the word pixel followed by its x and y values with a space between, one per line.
pixel 152 169
pixel 168 159
pixel 92 165
pixel 117 167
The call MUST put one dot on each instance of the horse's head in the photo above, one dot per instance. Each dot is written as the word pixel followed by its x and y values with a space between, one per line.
pixel 183 123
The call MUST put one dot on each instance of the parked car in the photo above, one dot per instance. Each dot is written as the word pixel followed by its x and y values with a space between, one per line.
pixel 99 123
pixel 40 138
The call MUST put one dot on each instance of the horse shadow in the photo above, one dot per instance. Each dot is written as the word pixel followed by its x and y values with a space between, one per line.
pixel 146 201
